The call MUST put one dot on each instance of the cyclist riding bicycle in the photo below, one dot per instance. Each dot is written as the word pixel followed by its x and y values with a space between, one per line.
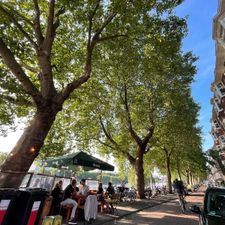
pixel 179 189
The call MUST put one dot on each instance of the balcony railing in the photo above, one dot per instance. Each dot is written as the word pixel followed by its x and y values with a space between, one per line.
pixel 217 107
pixel 219 90
pixel 216 125
pixel 214 136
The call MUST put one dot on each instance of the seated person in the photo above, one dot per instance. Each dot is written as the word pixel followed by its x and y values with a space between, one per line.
pixel 100 197
pixel 56 194
pixel 100 192
pixel 67 200
pixel 100 189
pixel 122 190
pixel 110 190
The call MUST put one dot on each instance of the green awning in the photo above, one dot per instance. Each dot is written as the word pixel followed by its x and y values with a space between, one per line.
pixel 79 159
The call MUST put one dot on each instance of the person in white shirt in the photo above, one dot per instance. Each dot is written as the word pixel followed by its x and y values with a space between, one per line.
pixel 83 189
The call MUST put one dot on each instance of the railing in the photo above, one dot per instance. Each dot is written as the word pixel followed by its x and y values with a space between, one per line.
pixel 39 180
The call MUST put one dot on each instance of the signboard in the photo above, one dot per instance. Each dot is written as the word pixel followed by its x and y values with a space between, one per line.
pixel 34 213
pixel 4 204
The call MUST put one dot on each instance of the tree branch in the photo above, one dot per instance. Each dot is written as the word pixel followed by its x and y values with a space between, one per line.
pixel 15 22
pixel 20 102
pixel 19 15
pixel 106 22
pixel 129 157
pixel 166 151
pixel 65 93
pixel 107 134
pixel 111 37
pixel 57 21
pixel 16 69
pixel 91 41
pixel 28 67
pixel 117 147
pixel 105 144
pixel 87 67
pixel 95 9
pixel 50 31
pixel 148 136
pixel 37 26
pixel 128 116
pixel 147 150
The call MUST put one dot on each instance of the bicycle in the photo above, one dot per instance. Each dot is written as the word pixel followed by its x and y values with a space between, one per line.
pixel 129 196
pixel 148 193
pixel 182 202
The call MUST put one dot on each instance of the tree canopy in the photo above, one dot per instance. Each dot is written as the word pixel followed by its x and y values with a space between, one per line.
pixel 138 92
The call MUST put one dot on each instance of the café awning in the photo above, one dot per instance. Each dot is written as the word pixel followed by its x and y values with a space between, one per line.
pixel 79 159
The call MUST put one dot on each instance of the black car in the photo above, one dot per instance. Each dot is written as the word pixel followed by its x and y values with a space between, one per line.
pixel 213 212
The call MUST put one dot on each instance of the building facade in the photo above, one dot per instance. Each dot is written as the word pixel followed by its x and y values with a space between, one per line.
pixel 218 86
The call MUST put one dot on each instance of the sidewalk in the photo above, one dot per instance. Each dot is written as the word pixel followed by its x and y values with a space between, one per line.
pixel 127 208
pixel 164 214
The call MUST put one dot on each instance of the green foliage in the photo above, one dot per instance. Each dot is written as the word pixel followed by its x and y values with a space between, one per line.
pixel 215 161
pixel 3 156
pixel 140 79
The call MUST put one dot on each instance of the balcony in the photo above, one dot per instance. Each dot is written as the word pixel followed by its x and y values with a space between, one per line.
pixel 216 125
pixel 217 106
pixel 222 140
pixel 219 90
pixel 216 140
pixel 221 120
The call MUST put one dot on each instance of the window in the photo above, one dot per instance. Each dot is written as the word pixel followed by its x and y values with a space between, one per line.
pixel 222 139
pixel 216 124
pixel 220 85
pixel 216 204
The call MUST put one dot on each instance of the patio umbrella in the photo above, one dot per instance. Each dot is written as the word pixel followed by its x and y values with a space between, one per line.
pixel 79 159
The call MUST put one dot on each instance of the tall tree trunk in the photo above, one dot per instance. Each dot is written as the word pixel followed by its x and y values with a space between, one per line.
pixel 178 169
pixel 191 178
pixel 168 173
pixel 140 175
pixel 27 148
pixel 188 178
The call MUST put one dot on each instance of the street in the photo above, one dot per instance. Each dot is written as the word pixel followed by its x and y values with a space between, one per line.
pixel 165 214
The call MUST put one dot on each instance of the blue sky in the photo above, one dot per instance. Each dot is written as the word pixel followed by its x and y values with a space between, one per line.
pixel 199 40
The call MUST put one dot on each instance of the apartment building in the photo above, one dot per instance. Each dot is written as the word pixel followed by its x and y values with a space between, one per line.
pixel 218 86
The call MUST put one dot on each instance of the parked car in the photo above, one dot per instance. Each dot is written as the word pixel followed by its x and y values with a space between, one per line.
pixel 213 211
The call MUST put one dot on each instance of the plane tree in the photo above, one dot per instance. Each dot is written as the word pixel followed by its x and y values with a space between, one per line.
pixel 48 50
pixel 124 112
pixel 177 143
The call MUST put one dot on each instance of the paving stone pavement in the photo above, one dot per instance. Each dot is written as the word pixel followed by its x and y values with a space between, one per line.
pixel 168 213
pixel 128 208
